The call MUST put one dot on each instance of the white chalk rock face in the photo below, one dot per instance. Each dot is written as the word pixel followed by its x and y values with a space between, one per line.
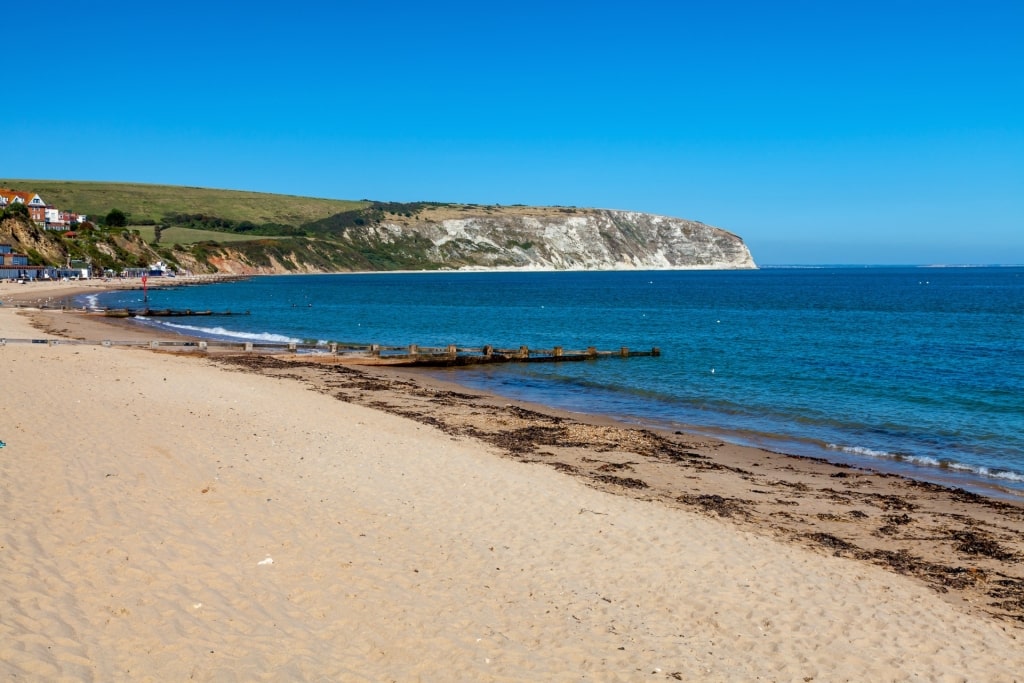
pixel 586 239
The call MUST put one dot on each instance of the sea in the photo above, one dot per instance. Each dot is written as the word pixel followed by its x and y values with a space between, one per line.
pixel 912 370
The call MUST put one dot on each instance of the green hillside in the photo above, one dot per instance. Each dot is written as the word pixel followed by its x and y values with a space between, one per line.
pixel 150 203
pixel 205 230
pixel 177 235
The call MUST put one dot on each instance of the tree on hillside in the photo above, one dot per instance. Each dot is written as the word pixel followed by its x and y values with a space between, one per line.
pixel 116 219
pixel 15 209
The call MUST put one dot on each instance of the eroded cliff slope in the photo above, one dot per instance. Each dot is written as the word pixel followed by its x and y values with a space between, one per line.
pixel 467 237
pixel 377 236
pixel 589 239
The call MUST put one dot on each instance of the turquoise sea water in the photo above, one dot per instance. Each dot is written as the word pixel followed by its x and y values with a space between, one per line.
pixel 920 370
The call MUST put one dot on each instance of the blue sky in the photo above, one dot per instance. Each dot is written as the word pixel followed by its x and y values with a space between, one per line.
pixel 820 132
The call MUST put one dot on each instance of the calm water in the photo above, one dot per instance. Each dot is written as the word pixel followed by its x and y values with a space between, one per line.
pixel 918 369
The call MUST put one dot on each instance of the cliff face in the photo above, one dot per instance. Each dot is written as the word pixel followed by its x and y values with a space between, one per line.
pixel 47 247
pixel 583 240
pixel 24 236
pixel 503 237
pixel 444 237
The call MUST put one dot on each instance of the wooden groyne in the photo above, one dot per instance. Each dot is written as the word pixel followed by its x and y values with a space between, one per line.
pixel 413 355
pixel 452 356
pixel 161 312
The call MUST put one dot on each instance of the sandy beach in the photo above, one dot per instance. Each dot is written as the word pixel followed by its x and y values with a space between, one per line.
pixel 179 516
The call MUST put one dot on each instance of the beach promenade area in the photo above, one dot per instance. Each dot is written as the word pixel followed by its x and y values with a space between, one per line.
pixel 174 516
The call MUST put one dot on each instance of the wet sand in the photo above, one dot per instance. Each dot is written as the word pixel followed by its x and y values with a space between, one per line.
pixel 417 529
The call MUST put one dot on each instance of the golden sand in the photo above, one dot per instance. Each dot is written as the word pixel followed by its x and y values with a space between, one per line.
pixel 176 517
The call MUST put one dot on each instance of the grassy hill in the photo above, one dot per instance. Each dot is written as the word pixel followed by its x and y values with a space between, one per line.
pixel 150 203
pixel 209 230
pixel 178 235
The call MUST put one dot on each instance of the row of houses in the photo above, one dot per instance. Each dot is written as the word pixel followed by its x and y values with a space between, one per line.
pixel 15 266
pixel 46 215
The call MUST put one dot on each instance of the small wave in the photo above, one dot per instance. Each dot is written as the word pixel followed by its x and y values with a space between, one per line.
pixel 224 333
pixel 926 461
pixel 1005 475
pixel 859 450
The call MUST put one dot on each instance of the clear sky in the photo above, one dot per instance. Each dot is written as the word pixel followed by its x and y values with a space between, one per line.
pixel 819 131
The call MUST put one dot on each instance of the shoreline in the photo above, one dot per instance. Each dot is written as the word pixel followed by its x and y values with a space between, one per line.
pixel 949 477
pixel 230 515
pixel 939 474
pixel 89 327
pixel 782 482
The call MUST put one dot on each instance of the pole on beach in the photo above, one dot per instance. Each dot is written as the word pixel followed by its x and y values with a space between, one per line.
pixel 145 292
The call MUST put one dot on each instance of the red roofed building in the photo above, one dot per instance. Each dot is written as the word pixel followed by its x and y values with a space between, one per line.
pixel 35 204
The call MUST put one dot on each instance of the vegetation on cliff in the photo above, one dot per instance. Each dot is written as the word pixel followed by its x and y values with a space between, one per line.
pixel 104 248
pixel 206 230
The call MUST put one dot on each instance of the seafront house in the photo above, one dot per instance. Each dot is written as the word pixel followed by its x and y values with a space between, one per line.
pixel 58 219
pixel 9 258
pixel 15 266
pixel 35 204
pixel 47 215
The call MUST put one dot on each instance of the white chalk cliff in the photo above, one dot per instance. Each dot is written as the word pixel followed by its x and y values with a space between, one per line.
pixel 577 239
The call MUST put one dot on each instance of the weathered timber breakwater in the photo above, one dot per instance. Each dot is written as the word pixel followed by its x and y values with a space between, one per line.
pixel 413 355
pixel 453 356
pixel 162 312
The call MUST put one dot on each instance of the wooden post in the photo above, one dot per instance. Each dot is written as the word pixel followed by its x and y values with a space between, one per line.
pixel 334 348
pixel 524 352
pixel 557 353
pixel 248 346
pixel 413 350
pixel 202 346
pixel 375 350
pixel 592 352
pixel 655 351
pixel 452 351
pixel 292 347
pixel 624 352
pixel 488 351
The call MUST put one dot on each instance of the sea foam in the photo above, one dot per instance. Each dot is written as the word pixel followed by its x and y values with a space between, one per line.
pixel 224 333
pixel 927 461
